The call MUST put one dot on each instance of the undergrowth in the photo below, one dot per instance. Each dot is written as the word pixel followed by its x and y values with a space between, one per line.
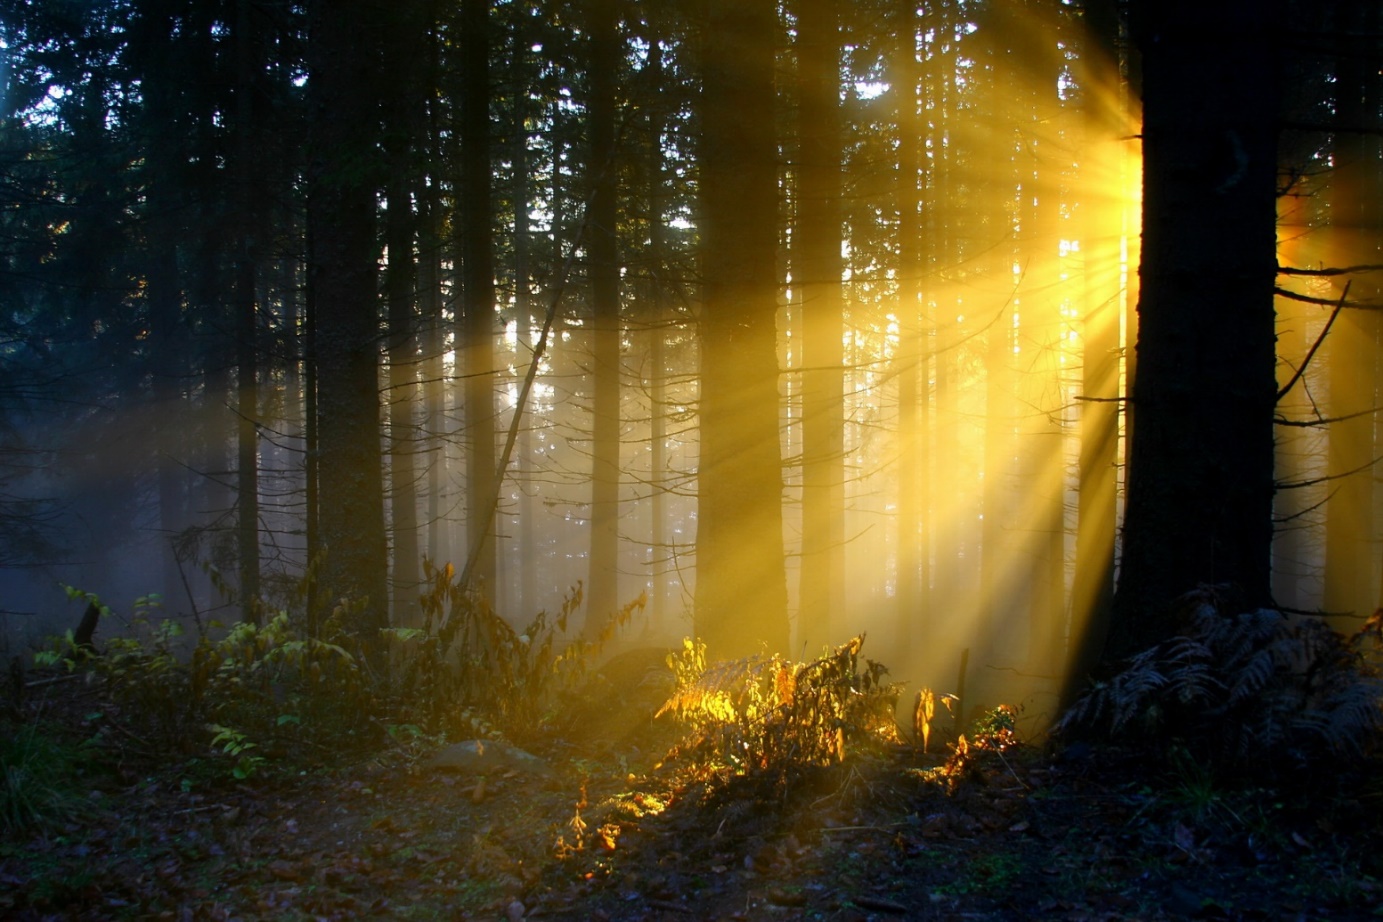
pixel 765 713
pixel 1258 692
pixel 250 698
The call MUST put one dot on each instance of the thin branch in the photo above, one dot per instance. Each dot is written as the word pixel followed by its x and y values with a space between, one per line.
pixel 1296 376
pixel 491 506
pixel 1325 302
pixel 1322 273
pixel 1317 480
pixel 1322 421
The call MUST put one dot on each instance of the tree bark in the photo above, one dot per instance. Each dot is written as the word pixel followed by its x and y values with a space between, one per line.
pixel 1201 471
pixel 741 582
pixel 602 597
pixel 408 33
pixel 342 271
pixel 477 289
pixel 817 266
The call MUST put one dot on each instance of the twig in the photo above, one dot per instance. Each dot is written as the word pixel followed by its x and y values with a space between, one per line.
pixel 879 904
pixel 861 828
pixel 1021 784
pixel 1346 270
pixel 1301 369
pixel 669 906
pixel 39 683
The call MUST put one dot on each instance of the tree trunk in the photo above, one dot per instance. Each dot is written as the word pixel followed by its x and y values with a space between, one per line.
pixel 342 269
pixel 1201 472
pixel 477 290
pixel 1354 191
pixel 816 273
pixel 408 32
pixel 602 597
pixel 248 195
pixel 741 582
pixel 913 592
pixel 1092 590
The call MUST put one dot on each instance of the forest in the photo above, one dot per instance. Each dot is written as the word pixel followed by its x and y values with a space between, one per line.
pixel 381 379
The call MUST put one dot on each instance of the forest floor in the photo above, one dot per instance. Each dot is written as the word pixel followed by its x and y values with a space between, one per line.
pixel 612 832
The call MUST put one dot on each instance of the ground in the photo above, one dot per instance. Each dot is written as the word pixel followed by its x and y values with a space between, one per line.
pixel 619 832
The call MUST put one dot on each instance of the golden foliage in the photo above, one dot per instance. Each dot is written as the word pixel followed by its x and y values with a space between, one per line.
pixel 764 712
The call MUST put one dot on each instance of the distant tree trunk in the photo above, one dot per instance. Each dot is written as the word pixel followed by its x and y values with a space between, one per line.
pixel 655 295
pixel 1201 472
pixel 527 562
pixel 408 33
pixel 434 369
pixel 342 269
pixel 604 274
pixel 914 361
pixel 477 289
pixel 741 581
pixel 168 363
pixel 1355 190
pixel 1092 590
pixel 433 326
pixel 248 195
pixel 817 266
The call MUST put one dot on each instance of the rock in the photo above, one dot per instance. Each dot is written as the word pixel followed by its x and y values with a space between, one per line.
pixel 486 757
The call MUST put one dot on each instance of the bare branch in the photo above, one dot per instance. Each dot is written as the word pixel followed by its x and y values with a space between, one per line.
pixel 1296 376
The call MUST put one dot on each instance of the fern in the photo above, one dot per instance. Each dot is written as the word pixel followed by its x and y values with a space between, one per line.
pixel 1247 690
pixel 764 712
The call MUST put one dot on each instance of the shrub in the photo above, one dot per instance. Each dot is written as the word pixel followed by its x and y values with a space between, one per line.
pixel 1249 691
pixel 766 713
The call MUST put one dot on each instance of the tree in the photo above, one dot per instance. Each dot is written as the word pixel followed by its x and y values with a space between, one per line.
pixel 476 252
pixel 741 582
pixel 604 53
pixel 1200 491
pixel 409 30
pixel 816 271
pixel 342 273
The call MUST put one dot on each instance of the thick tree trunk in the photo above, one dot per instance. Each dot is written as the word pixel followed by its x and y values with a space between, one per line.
pixel 741 582
pixel 816 274
pixel 342 270
pixel 1201 472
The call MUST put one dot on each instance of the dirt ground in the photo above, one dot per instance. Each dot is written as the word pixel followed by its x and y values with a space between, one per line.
pixel 613 833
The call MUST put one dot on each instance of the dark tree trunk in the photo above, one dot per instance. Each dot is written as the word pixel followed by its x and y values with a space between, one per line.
pixel 1201 472
pixel 248 196
pixel 409 32
pixel 342 274
pixel 604 274
pixel 816 273
pixel 477 291
pixel 741 583
pixel 914 360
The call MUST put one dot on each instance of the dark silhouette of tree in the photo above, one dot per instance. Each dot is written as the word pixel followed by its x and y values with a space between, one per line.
pixel 476 256
pixel 342 269
pixel 741 589
pixel 816 275
pixel 604 53
pixel 1200 485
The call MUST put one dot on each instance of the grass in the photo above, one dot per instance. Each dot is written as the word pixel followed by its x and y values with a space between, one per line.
pixel 41 784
